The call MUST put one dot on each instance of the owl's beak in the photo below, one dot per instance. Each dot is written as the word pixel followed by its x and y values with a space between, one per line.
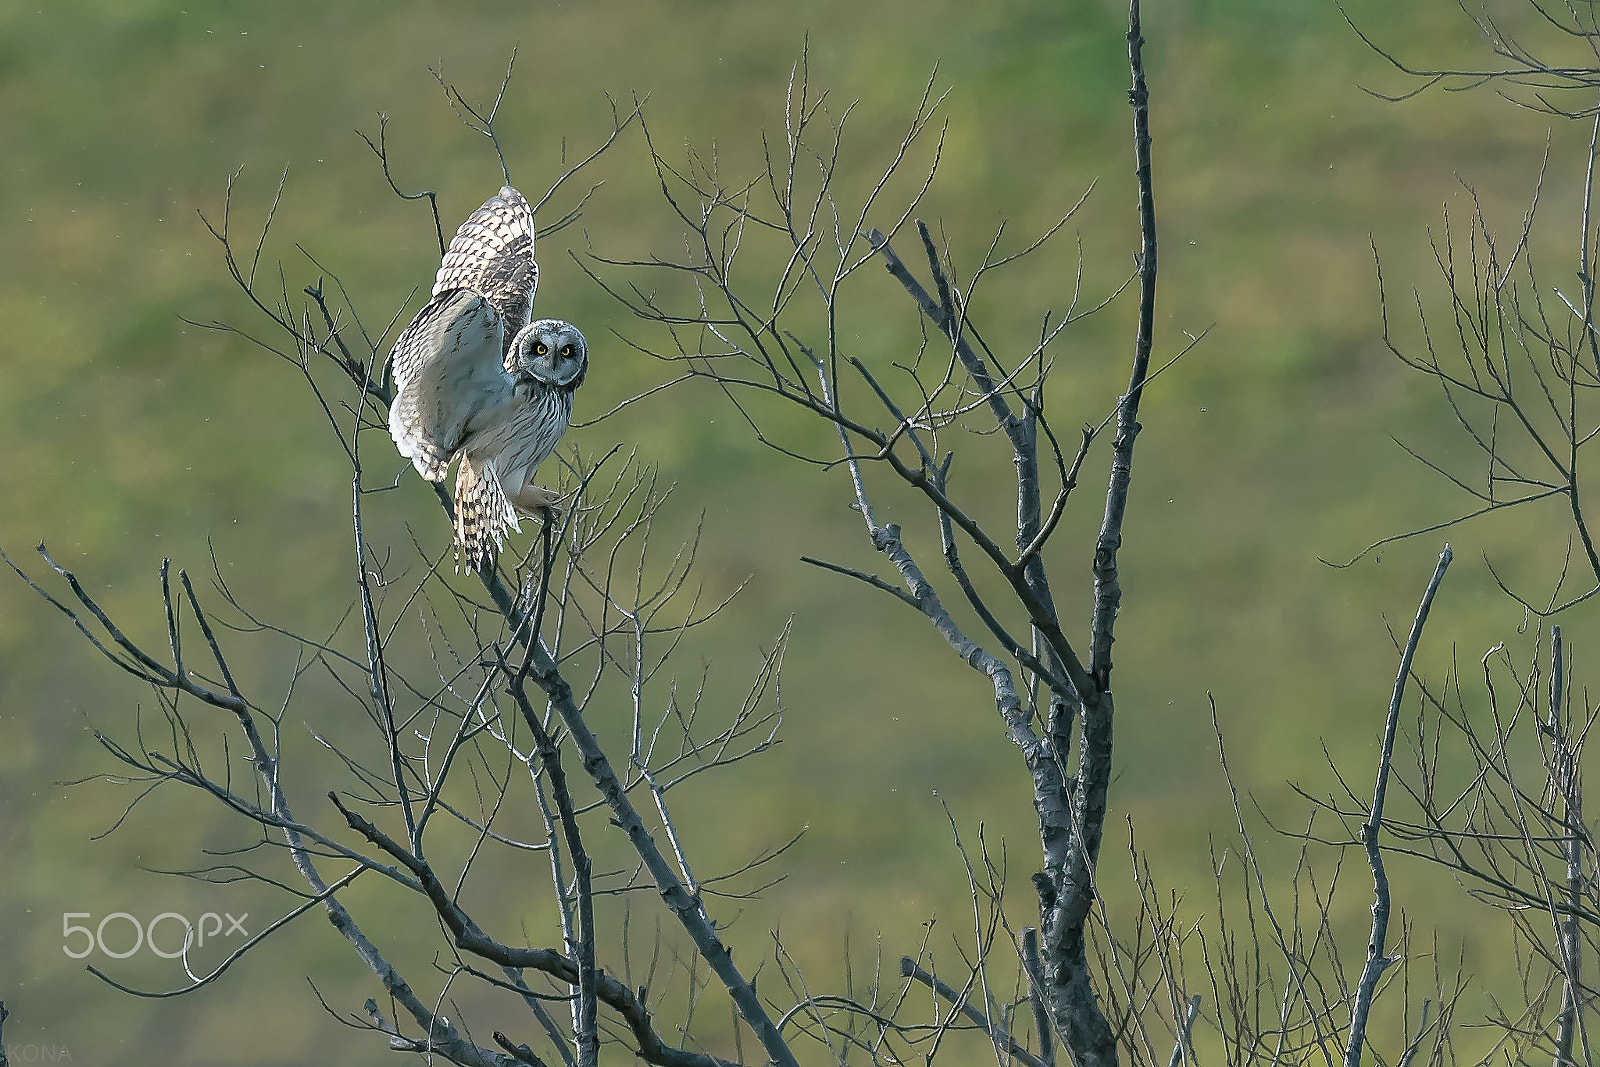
pixel 549 373
pixel 544 376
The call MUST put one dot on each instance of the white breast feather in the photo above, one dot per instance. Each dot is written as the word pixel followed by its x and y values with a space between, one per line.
pixel 522 433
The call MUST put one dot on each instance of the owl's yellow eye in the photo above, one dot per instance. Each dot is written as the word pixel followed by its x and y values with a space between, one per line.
pixel 566 351
pixel 539 348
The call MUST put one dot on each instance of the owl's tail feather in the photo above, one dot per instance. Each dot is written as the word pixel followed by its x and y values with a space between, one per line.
pixel 483 514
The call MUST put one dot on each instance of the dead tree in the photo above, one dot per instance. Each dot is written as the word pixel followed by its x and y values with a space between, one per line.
pixel 478 750
pixel 771 338
pixel 475 699
pixel 915 421
pixel 493 684
pixel 1495 781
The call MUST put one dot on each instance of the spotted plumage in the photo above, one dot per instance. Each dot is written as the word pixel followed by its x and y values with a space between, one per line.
pixel 476 379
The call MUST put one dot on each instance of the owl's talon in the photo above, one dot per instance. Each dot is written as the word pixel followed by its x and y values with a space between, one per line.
pixel 540 502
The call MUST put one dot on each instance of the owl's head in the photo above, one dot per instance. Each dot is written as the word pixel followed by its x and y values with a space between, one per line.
pixel 551 352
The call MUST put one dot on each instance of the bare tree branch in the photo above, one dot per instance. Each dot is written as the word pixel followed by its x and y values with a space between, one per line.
pixel 1377 961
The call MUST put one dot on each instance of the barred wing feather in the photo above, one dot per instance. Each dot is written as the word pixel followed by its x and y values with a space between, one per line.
pixel 492 254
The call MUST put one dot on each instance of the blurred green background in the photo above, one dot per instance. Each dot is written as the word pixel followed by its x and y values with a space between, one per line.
pixel 130 435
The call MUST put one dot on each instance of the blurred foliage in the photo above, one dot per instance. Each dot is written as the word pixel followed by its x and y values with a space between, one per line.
pixel 131 435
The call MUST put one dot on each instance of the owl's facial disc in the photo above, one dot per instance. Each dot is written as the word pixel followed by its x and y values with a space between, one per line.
pixel 552 352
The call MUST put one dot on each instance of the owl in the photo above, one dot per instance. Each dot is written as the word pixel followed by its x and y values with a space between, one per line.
pixel 476 379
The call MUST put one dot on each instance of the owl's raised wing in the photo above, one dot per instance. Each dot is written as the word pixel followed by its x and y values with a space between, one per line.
pixel 447 372
pixel 492 255
pixel 449 363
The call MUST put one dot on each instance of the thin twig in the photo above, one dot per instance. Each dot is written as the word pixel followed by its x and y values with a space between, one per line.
pixel 909 969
